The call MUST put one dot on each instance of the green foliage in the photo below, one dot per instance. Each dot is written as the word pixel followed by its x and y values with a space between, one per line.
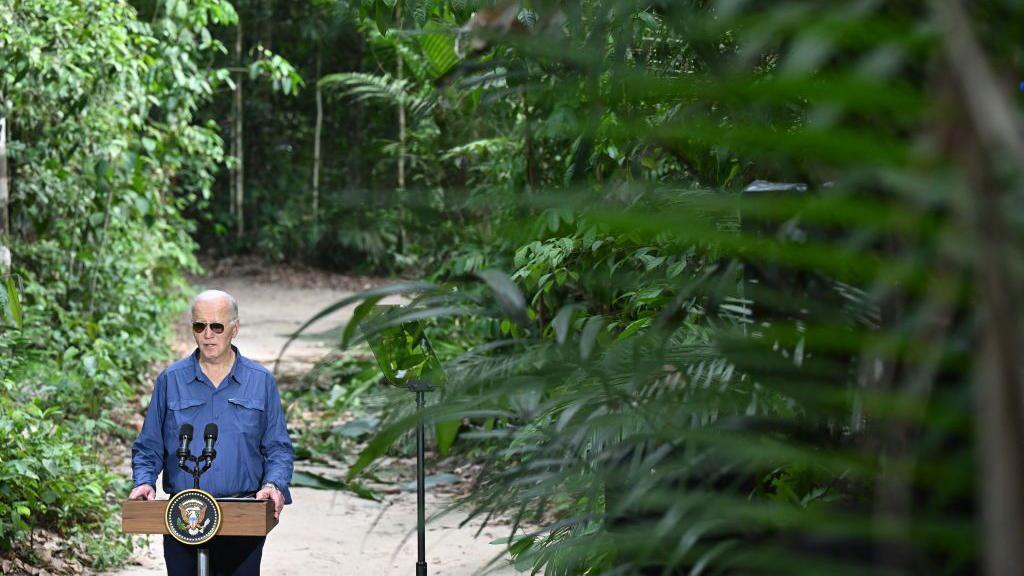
pixel 738 332
pixel 282 74
pixel 48 478
pixel 366 76
pixel 754 253
pixel 439 48
pixel 10 305
pixel 364 87
pixel 105 152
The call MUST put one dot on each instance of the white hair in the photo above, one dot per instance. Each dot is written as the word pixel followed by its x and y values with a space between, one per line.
pixel 215 295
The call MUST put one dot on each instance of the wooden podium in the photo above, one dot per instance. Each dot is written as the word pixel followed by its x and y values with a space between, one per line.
pixel 240 517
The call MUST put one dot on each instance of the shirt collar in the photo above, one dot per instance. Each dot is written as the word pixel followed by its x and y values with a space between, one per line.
pixel 236 368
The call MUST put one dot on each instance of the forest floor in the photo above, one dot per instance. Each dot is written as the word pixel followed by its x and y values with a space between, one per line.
pixel 329 532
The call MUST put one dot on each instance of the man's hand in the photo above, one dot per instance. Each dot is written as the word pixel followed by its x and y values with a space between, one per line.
pixel 143 492
pixel 270 492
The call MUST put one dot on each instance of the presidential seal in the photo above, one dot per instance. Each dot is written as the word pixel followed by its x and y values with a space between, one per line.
pixel 192 516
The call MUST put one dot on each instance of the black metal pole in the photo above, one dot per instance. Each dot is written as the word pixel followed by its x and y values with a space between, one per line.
pixel 421 563
pixel 203 556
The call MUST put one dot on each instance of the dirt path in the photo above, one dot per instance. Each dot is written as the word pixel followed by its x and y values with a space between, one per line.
pixel 327 532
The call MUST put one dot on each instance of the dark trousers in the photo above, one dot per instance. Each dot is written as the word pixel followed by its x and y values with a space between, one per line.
pixel 229 556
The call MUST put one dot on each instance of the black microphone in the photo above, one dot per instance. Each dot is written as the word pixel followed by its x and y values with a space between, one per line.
pixel 210 435
pixel 185 437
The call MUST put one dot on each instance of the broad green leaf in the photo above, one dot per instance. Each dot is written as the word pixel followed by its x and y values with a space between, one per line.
pixel 591 330
pixel 446 432
pixel 13 303
pixel 563 320
pixel 384 15
pixel 379 444
pixel 303 479
pixel 508 295
pixel 433 480
pixel 358 427
pixel 358 315
pixel 439 49
pixel 401 288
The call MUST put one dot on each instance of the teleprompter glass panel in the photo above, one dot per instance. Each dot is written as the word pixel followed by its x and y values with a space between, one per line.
pixel 401 346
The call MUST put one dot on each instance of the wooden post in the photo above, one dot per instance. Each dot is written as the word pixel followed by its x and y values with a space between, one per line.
pixel 316 146
pixel 5 223
pixel 401 144
pixel 990 132
pixel 401 133
pixel 239 191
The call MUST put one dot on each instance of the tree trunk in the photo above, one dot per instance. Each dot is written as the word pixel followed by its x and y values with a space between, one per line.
pixel 232 175
pixel 316 147
pixel 354 123
pixel 988 138
pixel 238 203
pixel 401 149
pixel 5 223
pixel 528 147
pixel 401 135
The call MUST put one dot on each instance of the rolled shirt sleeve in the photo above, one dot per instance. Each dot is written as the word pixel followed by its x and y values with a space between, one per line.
pixel 275 445
pixel 148 449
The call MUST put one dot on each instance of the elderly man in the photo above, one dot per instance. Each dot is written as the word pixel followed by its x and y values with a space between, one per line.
pixel 216 384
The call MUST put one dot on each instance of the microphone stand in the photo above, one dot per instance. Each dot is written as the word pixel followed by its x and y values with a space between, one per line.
pixel 206 460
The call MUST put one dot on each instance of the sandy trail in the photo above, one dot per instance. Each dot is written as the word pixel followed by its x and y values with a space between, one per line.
pixel 327 532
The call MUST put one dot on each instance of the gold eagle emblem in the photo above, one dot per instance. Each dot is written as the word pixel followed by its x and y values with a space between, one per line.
pixel 192 516
pixel 194 513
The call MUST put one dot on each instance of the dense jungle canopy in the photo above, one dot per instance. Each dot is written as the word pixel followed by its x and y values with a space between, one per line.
pixel 720 286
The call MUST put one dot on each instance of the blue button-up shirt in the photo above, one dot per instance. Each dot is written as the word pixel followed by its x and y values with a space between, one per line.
pixel 252 446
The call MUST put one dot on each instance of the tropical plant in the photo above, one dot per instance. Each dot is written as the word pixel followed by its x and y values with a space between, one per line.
pixel 768 308
pixel 104 153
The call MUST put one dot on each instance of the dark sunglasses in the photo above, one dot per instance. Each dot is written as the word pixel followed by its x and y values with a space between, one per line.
pixel 200 327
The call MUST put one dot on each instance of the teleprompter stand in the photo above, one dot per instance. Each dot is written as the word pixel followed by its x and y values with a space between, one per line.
pixel 420 387
pixel 408 361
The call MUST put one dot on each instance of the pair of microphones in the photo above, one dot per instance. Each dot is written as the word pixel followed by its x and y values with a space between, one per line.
pixel 185 438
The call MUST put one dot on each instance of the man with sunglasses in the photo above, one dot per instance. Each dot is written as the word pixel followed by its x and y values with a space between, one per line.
pixel 216 384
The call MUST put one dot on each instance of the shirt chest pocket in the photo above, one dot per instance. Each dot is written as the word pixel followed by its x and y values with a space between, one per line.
pixel 247 415
pixel 184 411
